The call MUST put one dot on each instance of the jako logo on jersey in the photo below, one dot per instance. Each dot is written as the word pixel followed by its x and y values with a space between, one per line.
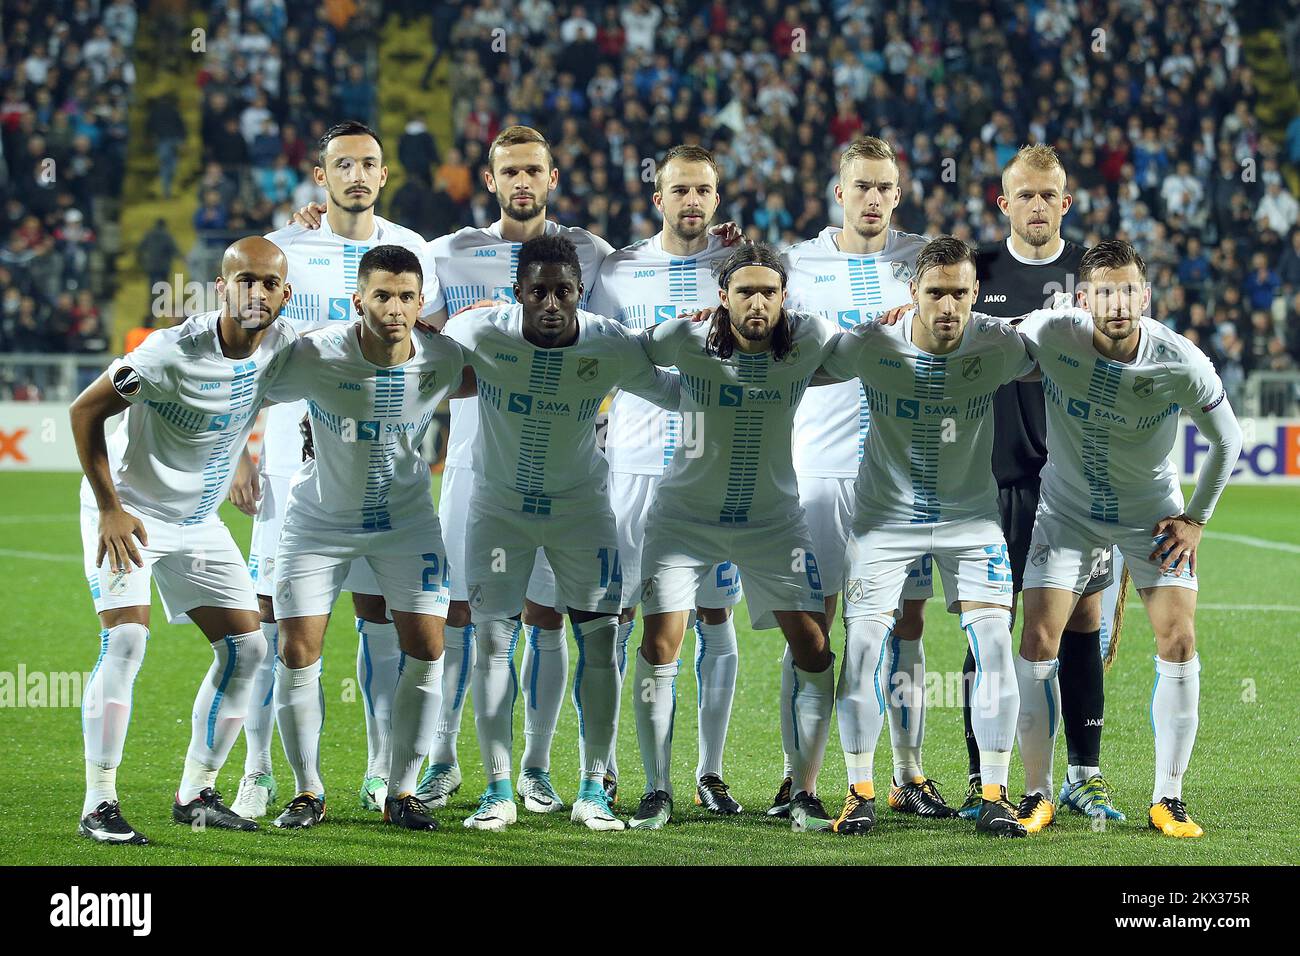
pixel 823 278
pixel 318 262
pixel 644 273
pixel 503 357
pixel 891 363
pixel 209 386
pixel 350 386
pixel 340 309
pixel 1072 362
pixel 995 298
pixel 485 253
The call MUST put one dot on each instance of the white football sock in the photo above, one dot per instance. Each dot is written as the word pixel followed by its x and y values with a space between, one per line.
pixel 624 635
pixel 654 700
pixel 457 665
pixel 259 725
pixel 495 686
pixel 106 708
pixel 1175 702
pixel 545 670
pixel 416 703
pixel 995 698
pixel 814 696
pixel 300 716
pixel 1077 774
pixel 716 660
pixel 379 657
pixel 861 696
pixel 905 698
pixel 219 709
pixel 596 687
pixel 786 713
pixel 1040 710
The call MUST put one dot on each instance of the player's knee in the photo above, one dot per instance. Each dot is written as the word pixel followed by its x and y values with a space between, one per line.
pixel 712 615
pixel 265 609
pixel 458 614
pixel 1177 643
pixel 538 615
pixel 127 642
pixel 252 651
pixel 370 608
pixel 911 623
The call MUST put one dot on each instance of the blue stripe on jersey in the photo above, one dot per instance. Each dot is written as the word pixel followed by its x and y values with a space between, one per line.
pixel 683 280
pixel 489 393
pixel 588 407
pixel 514 260
pixel 746 445
pixel 797 390
pixel 530 467
pixel 390 388
pixel 302 308
pixel 379 479
pixel 544 375
pixel 699 389
pixel 672 434
pixel 217 468
pixel 1103 389
pixel 186 419
pixel 931 372
pixel 634 317
pixel 864 418
pixel 460 296
pixel 977 406
pixel 351 261
pixel 864 281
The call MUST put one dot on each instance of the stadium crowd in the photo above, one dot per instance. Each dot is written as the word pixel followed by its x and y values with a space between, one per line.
pixel 1150 107
pixel 66 80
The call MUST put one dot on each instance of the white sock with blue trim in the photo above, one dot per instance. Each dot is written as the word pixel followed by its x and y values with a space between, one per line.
pixel 300 716
pixel 654 699
pixel 106 708
pixel 219 709
pixel 814 696
pixel 457 665
pixel 545 671
pixel 1175 705
pixel 786 713
pixel 596 686
pixel 905 698
pixel 716 660
pixel 1040 713
pixel 861 694
pixel 416 703
pixel 625 630
pixel 495 687
pixel 379 655
pixel 259 725
pixel 995 698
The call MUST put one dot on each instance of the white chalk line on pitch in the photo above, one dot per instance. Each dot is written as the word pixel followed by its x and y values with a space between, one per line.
pixel 26 519
pixel 39 556
pixel 1253 542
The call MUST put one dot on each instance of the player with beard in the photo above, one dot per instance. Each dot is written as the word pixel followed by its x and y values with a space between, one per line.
pixel 323 266
pixel 191 395
pixel 642 285
pixel 1028 271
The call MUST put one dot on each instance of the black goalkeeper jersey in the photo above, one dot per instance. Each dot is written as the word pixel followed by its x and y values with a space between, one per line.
pixel 1008 288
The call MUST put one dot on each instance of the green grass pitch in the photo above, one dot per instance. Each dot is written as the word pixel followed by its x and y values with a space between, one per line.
pixel 1241 781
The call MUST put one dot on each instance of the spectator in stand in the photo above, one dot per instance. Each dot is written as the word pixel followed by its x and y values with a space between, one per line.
pixel 1262 284
pixel 156 253
pixel 1288 267
pixel 1278 209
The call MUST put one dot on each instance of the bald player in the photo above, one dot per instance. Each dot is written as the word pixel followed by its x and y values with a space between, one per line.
pixel 149 512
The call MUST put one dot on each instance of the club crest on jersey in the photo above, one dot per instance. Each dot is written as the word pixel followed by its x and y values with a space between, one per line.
pixel 902 271
pixel 793 355
pixel 118 582
pixel 127 381
pixel 588 368
pixel 970 367
pixel 647 588
pixel 1039 557
pixel 476 596
pixel 428 381
pixel 854 589
pixel 1143 386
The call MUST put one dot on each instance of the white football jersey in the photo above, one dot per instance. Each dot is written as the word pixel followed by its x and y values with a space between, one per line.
pixel 173 455
pixel 367 425
pixel 475 264
pixel 640 286
pixel 536 447
pixel 734 465
pixel 928 456
pixel 323 276
pixel 1111 425
pixel 846 289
